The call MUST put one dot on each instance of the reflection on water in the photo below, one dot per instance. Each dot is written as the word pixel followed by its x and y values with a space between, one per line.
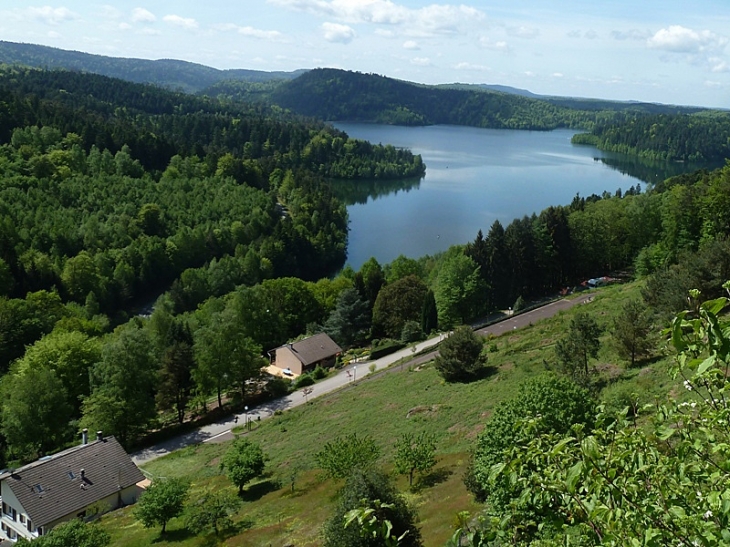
pixel 652 172
pixel 351 192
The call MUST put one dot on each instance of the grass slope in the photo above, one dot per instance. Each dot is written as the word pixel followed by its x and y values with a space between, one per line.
pixel 384 406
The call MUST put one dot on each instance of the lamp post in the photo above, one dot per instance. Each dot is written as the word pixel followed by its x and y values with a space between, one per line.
pixel 245 408
pixel 354 369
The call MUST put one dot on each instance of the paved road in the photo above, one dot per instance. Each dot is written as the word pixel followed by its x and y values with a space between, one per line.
pixel 221 430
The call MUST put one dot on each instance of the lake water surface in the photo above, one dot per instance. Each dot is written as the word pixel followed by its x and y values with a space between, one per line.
pixel 473 177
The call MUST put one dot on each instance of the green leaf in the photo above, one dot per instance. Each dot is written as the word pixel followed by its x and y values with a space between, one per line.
pixel 573 475
pixel 706 364
pixel 664 433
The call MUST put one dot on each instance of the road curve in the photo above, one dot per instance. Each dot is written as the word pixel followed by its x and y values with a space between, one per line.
pixel 221 430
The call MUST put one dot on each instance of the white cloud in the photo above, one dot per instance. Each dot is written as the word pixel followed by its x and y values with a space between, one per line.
pixel 472 67
pixel 384 33
pixel 632 34
pixel 529 74
pixel 334 32
pixel 251 32
pixel 141 15
pixel 523 32
pixel 702 48
pixel 48 15
pixel 591 34
pixel 679 39
pixel 421 61
pixel 410 44
pixel 429 20
pixel 183 22
pixel 124 26
pixel 110 12
pixel 588 34
pixel 54 34
pixel 149 32
pixel 498 45
pixel 557 74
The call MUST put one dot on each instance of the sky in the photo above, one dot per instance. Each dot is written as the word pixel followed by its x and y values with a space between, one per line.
pixel 665 51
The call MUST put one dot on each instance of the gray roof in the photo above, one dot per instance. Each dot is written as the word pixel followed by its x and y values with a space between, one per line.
pixel 108 469
pixel 313 349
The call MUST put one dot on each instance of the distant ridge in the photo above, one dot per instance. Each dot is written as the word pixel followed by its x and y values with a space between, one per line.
pixel 173 74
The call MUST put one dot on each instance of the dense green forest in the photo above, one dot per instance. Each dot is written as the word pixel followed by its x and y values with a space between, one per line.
pixel 112 192
pixel 341 95
pixel 703 136
pixel 169 73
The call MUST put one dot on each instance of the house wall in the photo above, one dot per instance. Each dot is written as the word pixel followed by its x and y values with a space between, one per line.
pixel 128 496
pixel 285 358
pixel 110 503
pixel 20 529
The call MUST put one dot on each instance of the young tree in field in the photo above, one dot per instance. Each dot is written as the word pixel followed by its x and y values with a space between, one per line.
pixel 460 356
pixel 212 512
pixel 631 329
pixel 162 502
pixel 343 455
pixel 75 532
pixel 243 462
pixel 578 346
pixel 415 453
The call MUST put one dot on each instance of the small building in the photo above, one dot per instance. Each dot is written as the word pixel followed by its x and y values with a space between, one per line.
pixel 304 355
pixel 80 482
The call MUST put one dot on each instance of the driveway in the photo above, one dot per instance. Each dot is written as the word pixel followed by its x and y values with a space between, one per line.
pixel 221 430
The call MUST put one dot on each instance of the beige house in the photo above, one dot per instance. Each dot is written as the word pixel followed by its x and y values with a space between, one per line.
pixel 79 482
pixel 302 356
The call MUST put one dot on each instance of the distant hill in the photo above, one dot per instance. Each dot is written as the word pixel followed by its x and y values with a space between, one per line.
pixel 334 94
pixel 169 73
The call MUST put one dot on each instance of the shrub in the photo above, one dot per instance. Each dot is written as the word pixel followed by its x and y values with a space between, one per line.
pixel 460 356
pixel 319 373
pixel 303 381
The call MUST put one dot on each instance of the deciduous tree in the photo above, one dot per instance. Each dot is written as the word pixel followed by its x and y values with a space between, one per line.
pixel 161 502
pixel 243 462
pixel 341 456
pixel 415 453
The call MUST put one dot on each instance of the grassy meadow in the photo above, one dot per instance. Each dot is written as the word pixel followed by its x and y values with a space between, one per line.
pixel 289 504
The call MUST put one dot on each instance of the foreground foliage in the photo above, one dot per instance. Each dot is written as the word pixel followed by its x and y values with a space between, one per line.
pixel 373 490
pixel 621 484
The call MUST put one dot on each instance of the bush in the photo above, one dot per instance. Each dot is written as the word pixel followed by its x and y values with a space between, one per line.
pixel 277 387
pixel 460 356
pixel 303 381
pixel 367 488
pixel 386 348
pixel 319 373
pixel 411 332
pixel 519 304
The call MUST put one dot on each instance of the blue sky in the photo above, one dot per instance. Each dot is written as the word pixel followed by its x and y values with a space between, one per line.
pixel 669 51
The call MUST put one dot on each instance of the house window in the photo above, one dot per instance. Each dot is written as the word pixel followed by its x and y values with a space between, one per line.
pixel 15 515
pixel 38 489
pixel 22 518
pixel 71 475
pixel 29 525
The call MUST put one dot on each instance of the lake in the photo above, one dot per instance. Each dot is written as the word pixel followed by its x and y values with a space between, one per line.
pixel 473 177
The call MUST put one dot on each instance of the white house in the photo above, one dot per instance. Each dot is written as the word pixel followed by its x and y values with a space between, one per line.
pixel 80 482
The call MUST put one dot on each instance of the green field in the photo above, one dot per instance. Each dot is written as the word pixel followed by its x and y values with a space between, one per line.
pixel 385 406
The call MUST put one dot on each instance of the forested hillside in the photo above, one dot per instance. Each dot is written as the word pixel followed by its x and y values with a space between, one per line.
pixel 169 73
pixel 112 193
pixel 341 95
pixel 683 137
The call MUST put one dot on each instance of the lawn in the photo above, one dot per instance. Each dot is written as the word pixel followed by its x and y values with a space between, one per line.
pixel 289 504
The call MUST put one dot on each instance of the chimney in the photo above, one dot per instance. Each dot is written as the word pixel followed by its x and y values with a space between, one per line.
pixel 84 436
pixel 83 474
pixel 99 436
